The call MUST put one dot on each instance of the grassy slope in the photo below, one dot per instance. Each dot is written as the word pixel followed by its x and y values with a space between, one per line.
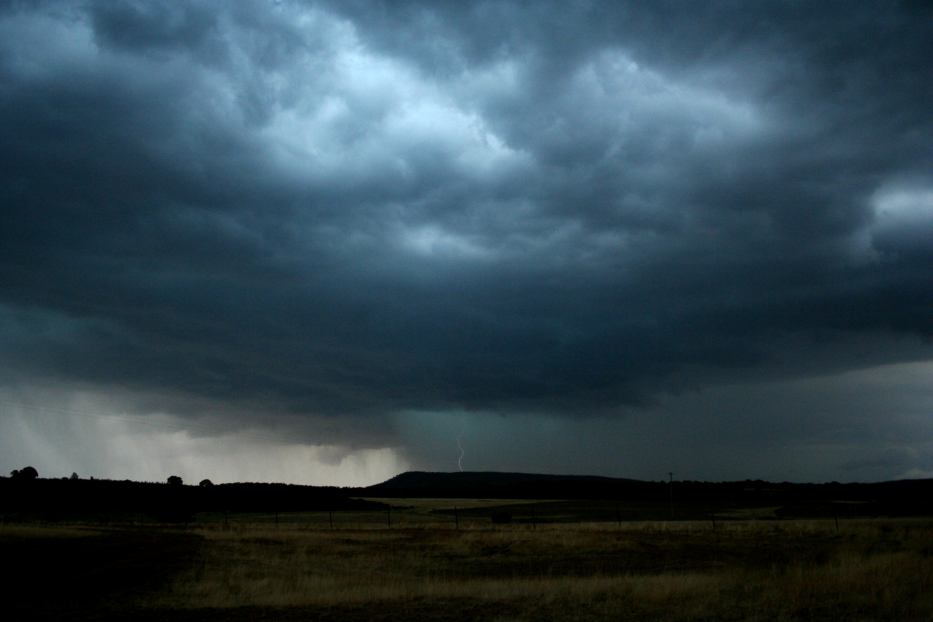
pixel 299 569
pixel 869 570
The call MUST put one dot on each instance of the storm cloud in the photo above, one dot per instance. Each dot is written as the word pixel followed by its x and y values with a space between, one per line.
pixel 370 225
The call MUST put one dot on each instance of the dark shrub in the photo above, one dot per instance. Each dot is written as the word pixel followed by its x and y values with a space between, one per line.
pixel 26 473
pixel 501 518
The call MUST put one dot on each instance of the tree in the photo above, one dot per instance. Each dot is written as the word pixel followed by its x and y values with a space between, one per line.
pixel 26 473
pixel 205 483
pixel 74 476
pixel 174 480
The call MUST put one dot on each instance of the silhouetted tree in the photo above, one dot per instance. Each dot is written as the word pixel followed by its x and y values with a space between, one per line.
pixel 74 476
pixel 174 480
pixel 26 473
pixel 205 483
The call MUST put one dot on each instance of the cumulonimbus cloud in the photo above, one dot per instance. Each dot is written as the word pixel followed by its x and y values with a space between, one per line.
pixel 346 209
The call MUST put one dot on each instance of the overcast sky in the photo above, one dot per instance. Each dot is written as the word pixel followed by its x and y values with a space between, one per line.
pixel 326 242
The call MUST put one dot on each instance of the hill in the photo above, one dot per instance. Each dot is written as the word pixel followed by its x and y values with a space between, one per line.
pixel 65 499
pixel 660 499
pixel 495 485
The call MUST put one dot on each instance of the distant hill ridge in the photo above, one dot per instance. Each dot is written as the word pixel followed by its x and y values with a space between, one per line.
pixel 488 478
pixel 902 497
pixel 58 499
pixel 494 484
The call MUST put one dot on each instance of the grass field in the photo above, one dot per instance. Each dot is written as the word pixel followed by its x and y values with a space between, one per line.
pixel 296 567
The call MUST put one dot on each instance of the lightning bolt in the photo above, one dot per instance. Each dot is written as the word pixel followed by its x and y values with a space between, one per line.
pixel 460 444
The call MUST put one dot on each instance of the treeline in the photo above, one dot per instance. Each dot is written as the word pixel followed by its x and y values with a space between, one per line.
pixel 97 499
pixel 26 496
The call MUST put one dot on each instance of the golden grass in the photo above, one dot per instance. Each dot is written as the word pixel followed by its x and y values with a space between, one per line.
pixel 870 570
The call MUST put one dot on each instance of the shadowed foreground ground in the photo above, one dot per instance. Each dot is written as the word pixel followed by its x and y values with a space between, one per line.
pixel 81 574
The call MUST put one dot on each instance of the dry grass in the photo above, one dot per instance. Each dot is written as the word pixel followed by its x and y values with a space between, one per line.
pixel 869 570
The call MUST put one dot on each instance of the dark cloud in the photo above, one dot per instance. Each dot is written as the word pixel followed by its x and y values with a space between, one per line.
pixel 373 209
